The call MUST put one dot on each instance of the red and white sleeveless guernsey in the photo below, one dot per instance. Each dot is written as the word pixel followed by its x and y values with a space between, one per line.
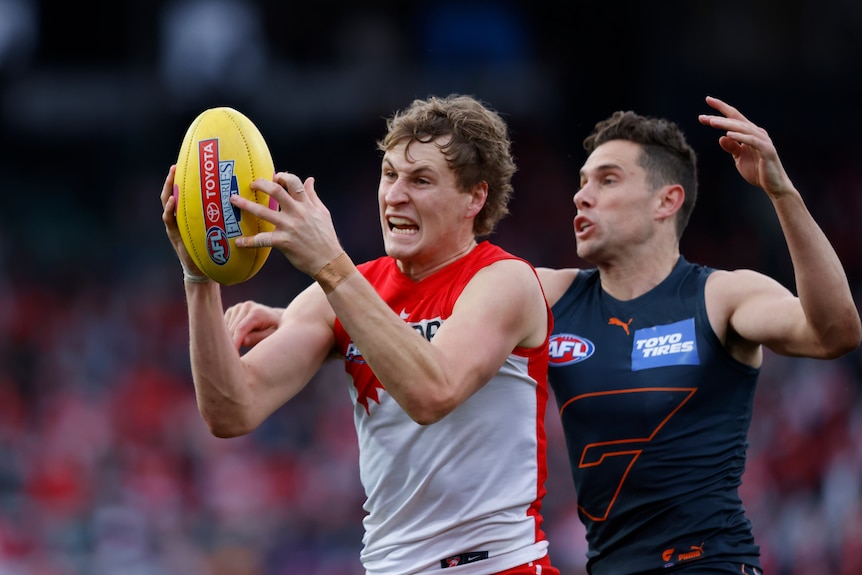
pixel 463 494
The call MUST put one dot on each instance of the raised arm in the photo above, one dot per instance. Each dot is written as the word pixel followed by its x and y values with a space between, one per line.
pixel 822 319
pixel 235 394
pixel 500 308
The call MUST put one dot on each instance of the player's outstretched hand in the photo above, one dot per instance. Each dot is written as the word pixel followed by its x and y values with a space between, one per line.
pixel 752 149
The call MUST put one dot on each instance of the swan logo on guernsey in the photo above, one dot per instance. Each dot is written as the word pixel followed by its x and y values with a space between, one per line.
pixel 663 345
pixel 568 348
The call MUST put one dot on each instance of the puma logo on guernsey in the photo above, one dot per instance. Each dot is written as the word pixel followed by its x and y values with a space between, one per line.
pixel 695 552
pixel 619 322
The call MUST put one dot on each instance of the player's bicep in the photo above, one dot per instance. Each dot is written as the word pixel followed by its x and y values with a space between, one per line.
pixel 283 363
pixel 763 311
pixel 500 309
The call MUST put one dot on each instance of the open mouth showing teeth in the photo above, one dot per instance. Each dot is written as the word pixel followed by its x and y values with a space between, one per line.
pixel 402 226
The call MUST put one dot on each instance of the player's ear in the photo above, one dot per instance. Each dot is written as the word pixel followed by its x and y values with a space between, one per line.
pixel 478 196
pixel 670 199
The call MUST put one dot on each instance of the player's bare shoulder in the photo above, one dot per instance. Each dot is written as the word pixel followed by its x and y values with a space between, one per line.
pixel 731 287
pixel 514 275
pixel 555 282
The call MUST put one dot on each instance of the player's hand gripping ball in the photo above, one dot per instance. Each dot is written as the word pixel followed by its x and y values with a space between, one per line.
pixel 222 153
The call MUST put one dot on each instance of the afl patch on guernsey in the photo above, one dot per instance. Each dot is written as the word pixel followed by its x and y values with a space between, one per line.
pixel 567 348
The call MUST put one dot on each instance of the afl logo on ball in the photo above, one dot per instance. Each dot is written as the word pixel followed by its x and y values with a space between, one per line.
pixel 221 154
pixel 217 245
pixel 567 348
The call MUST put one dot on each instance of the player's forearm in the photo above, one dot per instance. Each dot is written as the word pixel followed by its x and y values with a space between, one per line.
pixel 821 281
pixel 404 361
pixel 223 400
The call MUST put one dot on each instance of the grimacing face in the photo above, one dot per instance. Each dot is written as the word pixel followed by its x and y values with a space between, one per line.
pixel 424 216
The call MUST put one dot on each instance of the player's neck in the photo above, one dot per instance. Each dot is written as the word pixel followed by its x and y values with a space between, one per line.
pixel 418 270
pixel 628 278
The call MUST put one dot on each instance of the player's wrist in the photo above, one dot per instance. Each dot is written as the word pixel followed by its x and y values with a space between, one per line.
pixel 335 272
pixel 194 278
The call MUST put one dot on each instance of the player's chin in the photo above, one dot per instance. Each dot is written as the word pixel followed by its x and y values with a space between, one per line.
pixel 584 249
pixel 400 246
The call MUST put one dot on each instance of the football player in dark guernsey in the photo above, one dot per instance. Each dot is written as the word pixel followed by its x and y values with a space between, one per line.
pixel 654 359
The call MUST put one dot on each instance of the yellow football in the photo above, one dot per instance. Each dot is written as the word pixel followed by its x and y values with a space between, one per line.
pixel 222 153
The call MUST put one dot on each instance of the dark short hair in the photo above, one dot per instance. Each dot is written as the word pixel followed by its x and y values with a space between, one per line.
pixel 667 157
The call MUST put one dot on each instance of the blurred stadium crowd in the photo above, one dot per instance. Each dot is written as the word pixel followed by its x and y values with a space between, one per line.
pixel 106 468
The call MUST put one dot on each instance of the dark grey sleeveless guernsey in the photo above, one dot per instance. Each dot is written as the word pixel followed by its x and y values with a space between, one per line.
pixel 656 415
